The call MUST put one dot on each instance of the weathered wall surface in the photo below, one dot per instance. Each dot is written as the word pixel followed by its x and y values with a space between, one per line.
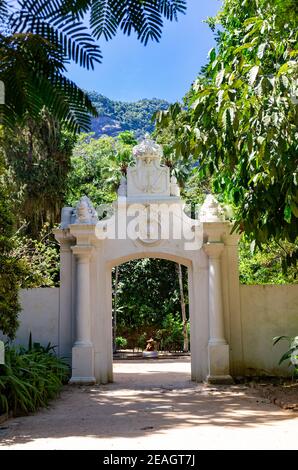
pixel 267 311
pixel 40 315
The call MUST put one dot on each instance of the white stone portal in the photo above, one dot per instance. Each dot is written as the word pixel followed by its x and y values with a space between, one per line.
pixel 148 220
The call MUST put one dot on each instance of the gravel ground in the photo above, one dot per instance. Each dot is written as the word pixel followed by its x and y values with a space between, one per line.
pixel 153 405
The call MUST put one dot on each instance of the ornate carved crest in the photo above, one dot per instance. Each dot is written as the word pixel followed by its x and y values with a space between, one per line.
pixel 148 177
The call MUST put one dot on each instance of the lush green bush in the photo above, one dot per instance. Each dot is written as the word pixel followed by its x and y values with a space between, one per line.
pixel 264 266
pixel 30 378
pixel 42 255
pixel 12 270
pixel 170 336
pixel 142 340
pixel 291 354
pixel 121 342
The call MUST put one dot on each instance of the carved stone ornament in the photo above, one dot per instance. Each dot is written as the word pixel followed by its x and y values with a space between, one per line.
pixel 148 177
pixel 85 212
pixel 175 190
pixel 211 211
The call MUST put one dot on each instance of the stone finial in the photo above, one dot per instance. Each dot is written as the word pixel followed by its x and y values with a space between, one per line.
pixel 85 212
pixel 211 211
pixel 147 150
pixel 122 190
pixel 66 217
pixel 174 188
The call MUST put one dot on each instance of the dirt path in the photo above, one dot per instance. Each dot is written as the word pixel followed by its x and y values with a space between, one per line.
pixel 154 405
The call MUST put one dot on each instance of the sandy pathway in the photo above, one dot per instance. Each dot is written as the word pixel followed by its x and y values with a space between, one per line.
pixel 154 405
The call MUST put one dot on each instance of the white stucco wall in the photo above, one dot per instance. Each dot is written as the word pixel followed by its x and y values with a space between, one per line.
pixel 40 315
pixel 267 311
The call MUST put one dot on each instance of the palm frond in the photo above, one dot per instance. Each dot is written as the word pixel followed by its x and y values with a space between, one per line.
pixel 69 35
pixel 44 35
pixel 144 17
pixel 34 77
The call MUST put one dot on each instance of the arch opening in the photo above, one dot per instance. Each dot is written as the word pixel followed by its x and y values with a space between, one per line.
pixel 150 301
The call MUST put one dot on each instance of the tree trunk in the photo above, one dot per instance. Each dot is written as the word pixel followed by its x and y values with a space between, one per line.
pixel 115 309
pixel 183 311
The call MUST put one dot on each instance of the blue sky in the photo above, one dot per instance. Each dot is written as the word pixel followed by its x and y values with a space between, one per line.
pixel 130 71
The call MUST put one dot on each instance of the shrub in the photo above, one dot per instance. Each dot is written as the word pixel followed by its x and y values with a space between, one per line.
pixel 142 340
pixel 291 353
pixel 30 378
pixel 170 336
pixel 121 342
pixel 12 270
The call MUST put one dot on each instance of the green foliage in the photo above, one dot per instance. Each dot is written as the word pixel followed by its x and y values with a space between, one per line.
pixel 263 266
pixel 121 342
pixel 240 117
pixel 97 166
pixel 170 336
pixel 12 270
pixel 41 37
pixel 291 354
pixel 144 18
pixel 39 41
pixel 90 165
pixel 148 290
pixel 29 379
pixel 118 116
pixel 38 156
pixel 41 255
pixel 142 341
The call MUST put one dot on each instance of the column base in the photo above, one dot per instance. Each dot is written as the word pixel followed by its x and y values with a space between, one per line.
pixel 219 360
pixel 220 380
pixel 82 380
pixel 82 365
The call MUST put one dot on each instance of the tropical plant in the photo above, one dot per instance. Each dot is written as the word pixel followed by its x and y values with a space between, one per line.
pixel 42 255
pixel 29 379
pixel 41 37
pixel 38 159
pixel 141 341
pixel 97 166
pixel 120 342
pixel 292 353
pixel 263 266
pixel 158 279
pixel 171 335
pixel 239 121
pixel 12 270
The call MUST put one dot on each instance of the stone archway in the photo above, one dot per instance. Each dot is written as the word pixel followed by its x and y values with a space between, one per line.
pixel 148 220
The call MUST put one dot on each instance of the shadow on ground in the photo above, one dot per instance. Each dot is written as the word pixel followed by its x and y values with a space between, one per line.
pixel 145 398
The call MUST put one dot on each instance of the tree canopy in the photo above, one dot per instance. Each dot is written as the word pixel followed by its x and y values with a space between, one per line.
pixel 40 37
pixel 239 120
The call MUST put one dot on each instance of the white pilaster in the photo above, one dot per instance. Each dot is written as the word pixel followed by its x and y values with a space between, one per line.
pixel 65 339
pixel 82 351
pixel 218 349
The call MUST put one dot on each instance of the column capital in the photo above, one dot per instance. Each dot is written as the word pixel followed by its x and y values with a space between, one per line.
pixel 213 249
pixel 82 252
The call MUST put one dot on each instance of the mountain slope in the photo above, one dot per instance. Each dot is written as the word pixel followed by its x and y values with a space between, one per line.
pixel 118 116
